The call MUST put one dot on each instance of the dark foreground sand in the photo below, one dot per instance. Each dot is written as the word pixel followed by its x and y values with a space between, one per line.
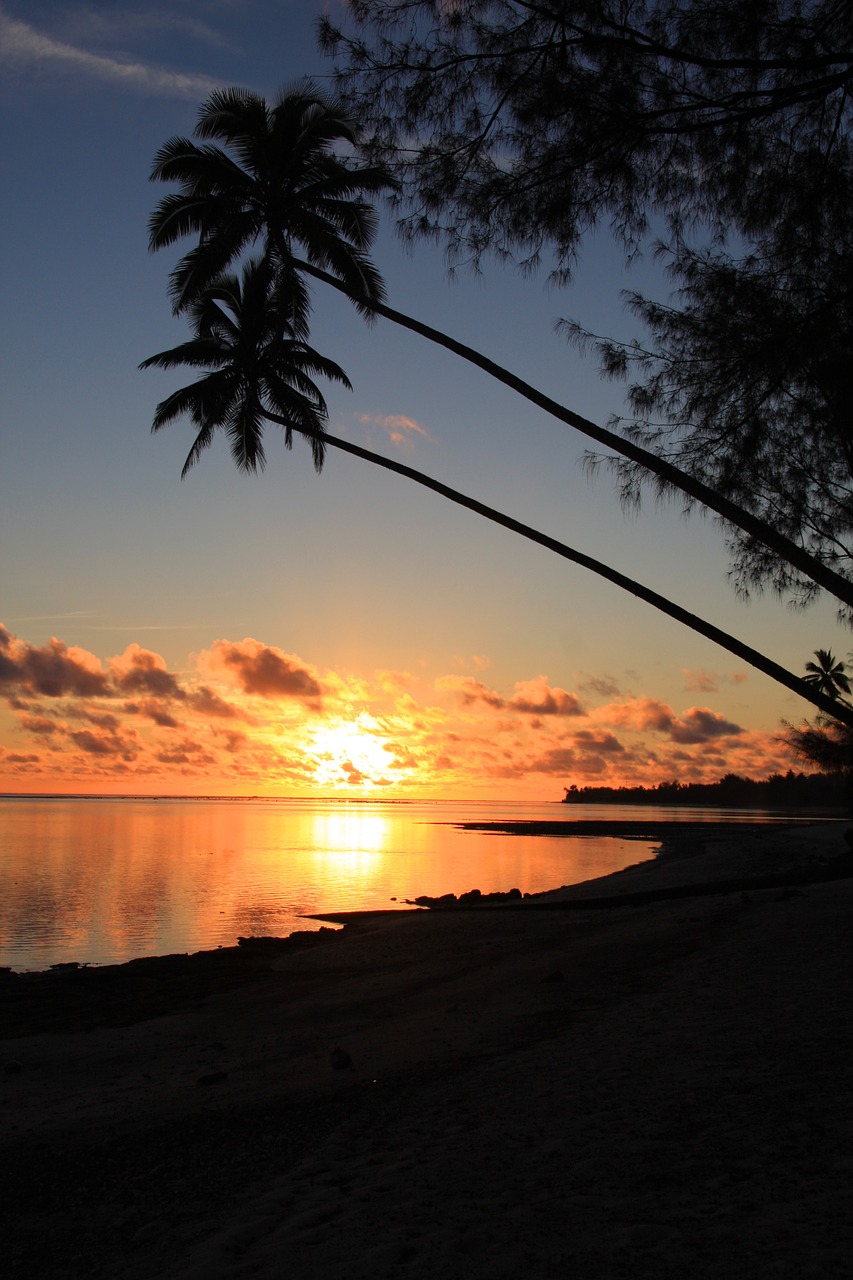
pixel 651 1090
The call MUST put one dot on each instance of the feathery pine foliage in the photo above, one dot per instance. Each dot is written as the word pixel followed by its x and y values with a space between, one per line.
pixel 517 126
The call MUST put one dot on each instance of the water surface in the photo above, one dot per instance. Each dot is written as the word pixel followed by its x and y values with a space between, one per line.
pixel 101 880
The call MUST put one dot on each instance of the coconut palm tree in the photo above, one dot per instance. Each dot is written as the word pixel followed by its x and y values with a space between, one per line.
pixel 259 370
pixel 277 179
pixel 827 675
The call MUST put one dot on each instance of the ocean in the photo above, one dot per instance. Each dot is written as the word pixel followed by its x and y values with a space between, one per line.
pixel 101 880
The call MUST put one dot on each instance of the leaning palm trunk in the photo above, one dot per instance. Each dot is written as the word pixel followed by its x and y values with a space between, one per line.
pixel 277 179
pixel 838 711
pixel 835 583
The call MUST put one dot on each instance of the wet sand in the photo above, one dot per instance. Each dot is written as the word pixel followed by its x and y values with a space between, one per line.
pixel 653 1089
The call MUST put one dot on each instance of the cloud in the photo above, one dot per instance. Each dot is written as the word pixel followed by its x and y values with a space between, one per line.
pixel 470 691
pixel 154 710
pixel 104 744
pixel 394 682
pixel 249 717
pixel 559 761
pixel 397 427
pixel 601 743
pixel 41 726
pixel 703 681
pixel 538 698
pixel 207 703
pixel 131 24
pixel 639 714
pixel 185 752
pixel 54 670
pixel 139 670
pixel 267 671
pixel 532 697
pixel 21 45
pixel 644 715
pixel 700 681
pixel 604 686
pixel 701 724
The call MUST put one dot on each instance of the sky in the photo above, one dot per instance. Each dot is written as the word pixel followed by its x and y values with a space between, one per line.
pixel 347 634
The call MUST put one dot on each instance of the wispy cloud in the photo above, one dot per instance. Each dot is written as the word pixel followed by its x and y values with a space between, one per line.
pixel 22 46
pixel 399 429
pixel 703 681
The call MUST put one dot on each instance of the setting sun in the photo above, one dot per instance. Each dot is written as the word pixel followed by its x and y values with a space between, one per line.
pixel 354 752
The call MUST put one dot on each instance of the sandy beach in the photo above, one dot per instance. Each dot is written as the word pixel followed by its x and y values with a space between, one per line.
pixel 659 1086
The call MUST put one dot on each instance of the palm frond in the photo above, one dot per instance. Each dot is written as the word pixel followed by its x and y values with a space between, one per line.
pixel 233 116
pixel 245 429
pixel 206 402
pixel 197 269
pixel 202 441
pixel 203 353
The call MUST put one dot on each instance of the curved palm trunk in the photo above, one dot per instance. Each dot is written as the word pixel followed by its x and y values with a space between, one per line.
pixel 795 555
pixel 707 629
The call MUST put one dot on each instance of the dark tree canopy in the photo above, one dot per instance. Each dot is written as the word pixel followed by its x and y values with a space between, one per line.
pixel 515 128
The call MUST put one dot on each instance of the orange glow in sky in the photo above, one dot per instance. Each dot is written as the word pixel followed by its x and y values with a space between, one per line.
pixel 247 718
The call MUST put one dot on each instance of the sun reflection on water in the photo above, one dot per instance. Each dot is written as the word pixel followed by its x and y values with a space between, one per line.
pixel 351 832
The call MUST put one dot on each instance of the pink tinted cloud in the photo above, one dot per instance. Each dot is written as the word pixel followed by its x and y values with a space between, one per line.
pixel 703 681
pixel 205 702
pixel 153 709
pixel 539 698
pixel 41 726
pixel 113 745
pixel 644 715
pixel 639 714
pixel 602 743
pixel 267 671
pixel 139 671
pixel 470 691
pixel 701 724
pixel 52 671
pixel 397 426
pixel 394 682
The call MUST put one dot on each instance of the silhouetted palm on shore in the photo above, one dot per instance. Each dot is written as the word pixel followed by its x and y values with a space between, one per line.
pixel 276 179
pixel 827 675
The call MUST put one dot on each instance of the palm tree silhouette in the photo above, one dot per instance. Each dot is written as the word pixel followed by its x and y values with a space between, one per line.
pixel 827 675
pixel 259 369
pixel 277 179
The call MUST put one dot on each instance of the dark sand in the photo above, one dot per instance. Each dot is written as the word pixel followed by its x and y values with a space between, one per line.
pixel 658 1089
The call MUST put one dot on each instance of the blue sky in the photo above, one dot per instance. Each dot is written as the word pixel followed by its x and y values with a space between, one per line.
pixel 353 573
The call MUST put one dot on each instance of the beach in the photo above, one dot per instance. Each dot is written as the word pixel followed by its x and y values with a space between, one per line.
pixel 655 1085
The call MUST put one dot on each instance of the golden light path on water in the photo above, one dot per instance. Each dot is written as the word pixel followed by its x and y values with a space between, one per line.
pixel 100 880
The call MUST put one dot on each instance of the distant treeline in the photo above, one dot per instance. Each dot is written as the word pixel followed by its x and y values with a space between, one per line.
pixel 779 791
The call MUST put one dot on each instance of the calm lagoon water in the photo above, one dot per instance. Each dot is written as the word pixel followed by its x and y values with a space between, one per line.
pixel 103 880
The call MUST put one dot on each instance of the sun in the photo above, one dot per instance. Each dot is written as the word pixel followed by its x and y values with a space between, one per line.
pixel 352 752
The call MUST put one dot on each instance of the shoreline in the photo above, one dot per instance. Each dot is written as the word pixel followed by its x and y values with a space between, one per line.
pixel 646 1091
pixel 678 839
